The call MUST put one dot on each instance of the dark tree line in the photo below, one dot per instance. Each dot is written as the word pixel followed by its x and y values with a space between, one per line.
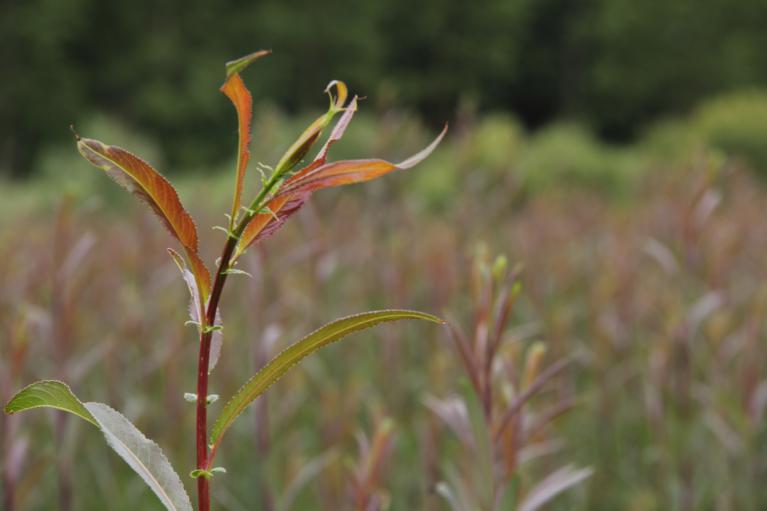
pixel 615 64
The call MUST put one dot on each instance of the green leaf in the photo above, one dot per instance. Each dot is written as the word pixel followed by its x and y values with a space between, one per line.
pixel 237 65
pixel 143 455
pixel 279 365
pixel 50 394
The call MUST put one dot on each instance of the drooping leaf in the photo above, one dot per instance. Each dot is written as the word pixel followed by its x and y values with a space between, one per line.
pixel 317 175
pixel 144 456
pixel 234 89
pixel 49 394
pixel 139 178
pixel 279 365
pixel 216 342
pixel 197 305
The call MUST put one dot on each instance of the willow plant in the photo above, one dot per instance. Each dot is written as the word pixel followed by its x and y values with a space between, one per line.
pixel 284 189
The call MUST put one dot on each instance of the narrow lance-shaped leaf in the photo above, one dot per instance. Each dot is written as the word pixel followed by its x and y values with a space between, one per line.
pixel 197 310
pixel 141 454
pixel 234 88
pixel 346 172
pixel 139 178
pixel 279 365
pixel 196 305
pixel 299 187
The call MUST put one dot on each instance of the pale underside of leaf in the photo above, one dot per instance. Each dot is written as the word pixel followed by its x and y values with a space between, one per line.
pixel 291 356
pixel 142 455
pixel 216 342
pixel 554 484
pixel 197 304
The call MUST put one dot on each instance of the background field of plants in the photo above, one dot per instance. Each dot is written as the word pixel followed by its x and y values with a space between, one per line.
pixel 615 152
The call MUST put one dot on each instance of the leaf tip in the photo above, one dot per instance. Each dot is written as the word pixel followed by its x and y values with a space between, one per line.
pixel 237 65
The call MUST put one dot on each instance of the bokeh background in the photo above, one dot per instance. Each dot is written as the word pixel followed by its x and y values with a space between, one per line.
pixel 613 152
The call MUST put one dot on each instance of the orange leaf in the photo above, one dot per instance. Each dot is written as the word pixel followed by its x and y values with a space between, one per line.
pixel 234 89
pixel 238 94
pixel 352 171
pixel 318 175
pixel 139 178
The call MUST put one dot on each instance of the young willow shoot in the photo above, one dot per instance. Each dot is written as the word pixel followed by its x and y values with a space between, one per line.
pixel 289 185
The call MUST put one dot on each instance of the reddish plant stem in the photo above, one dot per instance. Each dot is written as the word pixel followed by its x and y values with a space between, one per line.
pixel 204 458
pixel 203 486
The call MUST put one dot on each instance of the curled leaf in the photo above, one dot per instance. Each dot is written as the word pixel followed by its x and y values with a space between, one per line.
pixel 291 356
pixel 301 146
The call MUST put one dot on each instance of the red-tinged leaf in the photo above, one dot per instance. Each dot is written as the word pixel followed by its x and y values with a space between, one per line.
pixel 317 175
pixel 353 171
pixel 234 88
pixel 139 178
pixel 238 94
pixel 264 224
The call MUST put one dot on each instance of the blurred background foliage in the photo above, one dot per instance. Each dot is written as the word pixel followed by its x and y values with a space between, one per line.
pixel 614 66
pixel 614 150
